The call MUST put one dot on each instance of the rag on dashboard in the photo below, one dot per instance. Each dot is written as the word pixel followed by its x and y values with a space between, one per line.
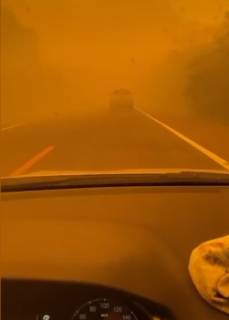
pixel 209 270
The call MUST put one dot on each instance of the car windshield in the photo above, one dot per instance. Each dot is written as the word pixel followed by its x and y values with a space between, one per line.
pixel 63 63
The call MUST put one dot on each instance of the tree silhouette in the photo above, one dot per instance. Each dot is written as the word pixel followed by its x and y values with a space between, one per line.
pixel 20 69
pixel 208 82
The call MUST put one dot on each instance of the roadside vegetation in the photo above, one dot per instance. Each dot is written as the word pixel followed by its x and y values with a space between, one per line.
pixel 207 86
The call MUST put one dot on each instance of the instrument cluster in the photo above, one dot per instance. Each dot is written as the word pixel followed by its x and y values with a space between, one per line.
pixel 56 300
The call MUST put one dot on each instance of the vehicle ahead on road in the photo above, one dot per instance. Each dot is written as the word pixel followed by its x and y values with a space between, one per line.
pixel 121 99
pixel 108 244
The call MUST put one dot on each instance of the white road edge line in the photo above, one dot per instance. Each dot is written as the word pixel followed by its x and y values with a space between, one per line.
pixel 206 152
pixel 14 126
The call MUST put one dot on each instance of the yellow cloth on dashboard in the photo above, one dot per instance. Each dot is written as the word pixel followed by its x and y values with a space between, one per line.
pixel 209 270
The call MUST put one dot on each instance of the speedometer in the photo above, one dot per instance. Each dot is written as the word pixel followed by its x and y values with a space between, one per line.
pixel 104 309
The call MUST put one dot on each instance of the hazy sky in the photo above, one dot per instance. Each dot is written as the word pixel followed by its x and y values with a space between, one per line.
pixel 119 28
pixel 99 45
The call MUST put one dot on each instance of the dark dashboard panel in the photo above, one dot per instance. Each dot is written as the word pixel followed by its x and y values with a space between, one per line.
pixel 135 239
pixel 53 300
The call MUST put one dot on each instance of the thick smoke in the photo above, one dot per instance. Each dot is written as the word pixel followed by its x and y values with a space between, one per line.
pixel 66 59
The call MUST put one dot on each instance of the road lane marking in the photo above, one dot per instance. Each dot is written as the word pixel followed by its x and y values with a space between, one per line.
pixel 32 161
pixel 206 152
pixel 14 126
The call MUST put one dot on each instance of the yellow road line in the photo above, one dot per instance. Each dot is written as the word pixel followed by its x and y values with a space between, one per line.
pixel 32 161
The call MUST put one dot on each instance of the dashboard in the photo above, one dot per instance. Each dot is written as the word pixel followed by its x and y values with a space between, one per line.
pixel 52 300
pixel 107 253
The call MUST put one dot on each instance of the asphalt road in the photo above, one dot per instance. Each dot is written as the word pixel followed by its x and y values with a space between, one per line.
pixel 105 141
